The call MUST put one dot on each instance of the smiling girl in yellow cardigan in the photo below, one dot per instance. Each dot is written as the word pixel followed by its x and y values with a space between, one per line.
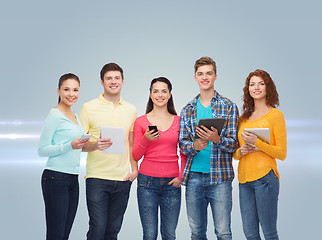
pixel 257 171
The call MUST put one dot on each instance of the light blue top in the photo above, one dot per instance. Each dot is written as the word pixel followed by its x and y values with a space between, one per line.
pixel 55 142
pixel 201 161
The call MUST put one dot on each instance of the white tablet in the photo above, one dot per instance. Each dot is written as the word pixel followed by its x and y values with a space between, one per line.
pixel 116 134
pixel 261 133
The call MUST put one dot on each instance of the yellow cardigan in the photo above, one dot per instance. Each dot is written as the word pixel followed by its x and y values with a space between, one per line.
pixel 255 165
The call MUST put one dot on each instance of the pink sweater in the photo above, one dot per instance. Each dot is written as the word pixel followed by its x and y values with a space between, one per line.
pixel 161 155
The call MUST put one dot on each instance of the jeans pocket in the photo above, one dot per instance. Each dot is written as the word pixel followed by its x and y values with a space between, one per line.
pixel 59 176
pixel 174 190
pixel 190 175
pixel 273 175
pixel 43 182
pixel 129 183
pixel 43 179
pixel 171 185
pixel 92 182
pixel 143 182
pixel 175 186
pixel 266 180
pixel 55 175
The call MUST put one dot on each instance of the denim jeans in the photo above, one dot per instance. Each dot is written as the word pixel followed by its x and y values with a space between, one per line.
pixel 152 193
pixel 199 193
pixel 61 193
pixel 258 204
pixel 106 204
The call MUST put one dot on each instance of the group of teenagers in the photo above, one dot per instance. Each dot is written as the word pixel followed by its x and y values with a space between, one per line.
pixel 177 153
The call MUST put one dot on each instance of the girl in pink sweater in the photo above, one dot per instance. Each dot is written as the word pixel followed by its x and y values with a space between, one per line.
pixel 159 177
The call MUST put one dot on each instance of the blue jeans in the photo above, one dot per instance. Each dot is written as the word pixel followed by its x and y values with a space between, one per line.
pixel 258 204
pixel 152 193
pixel 106 204
pixel 61 193
pixel 199 193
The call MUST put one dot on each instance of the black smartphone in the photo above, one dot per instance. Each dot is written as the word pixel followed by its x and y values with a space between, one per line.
pixel 153 127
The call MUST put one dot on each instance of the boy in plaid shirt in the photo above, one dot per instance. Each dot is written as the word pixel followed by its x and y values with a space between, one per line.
pixel 208 172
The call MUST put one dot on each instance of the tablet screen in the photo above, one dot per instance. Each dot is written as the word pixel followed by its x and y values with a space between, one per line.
pixel 217 123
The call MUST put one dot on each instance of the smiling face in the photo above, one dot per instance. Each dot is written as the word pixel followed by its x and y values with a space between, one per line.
pixel 257 88
pixel 205 77
pixel 68 92
pixel 160 94
pixel 112 83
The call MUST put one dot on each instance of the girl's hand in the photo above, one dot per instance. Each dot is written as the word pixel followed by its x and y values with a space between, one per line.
pixel 151 135
pixel 245 149
pixel 248 137
pixel 78 144
pixel 176 182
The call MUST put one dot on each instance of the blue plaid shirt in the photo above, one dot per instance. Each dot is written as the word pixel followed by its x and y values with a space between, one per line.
pixel 221 168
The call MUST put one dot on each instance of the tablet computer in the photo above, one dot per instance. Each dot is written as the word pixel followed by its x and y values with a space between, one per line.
pixel 262 133
pixel 217 123
pixel 116 134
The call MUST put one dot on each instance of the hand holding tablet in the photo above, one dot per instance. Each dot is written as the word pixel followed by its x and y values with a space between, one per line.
pixel 262 133
pixel 217 123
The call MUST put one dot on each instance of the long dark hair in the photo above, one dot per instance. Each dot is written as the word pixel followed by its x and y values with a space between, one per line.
pixel 170 105
pixel 65 77
pixel 271 93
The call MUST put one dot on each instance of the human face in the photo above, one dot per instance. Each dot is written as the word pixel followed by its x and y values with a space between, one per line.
pixel 68 92
pixel 112 83
pixel 205 77
pixel 257 88
pixel 160 94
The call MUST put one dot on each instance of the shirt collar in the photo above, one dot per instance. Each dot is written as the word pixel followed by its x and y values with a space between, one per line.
pixel 216 95
pixel 214 98
pixel 104 101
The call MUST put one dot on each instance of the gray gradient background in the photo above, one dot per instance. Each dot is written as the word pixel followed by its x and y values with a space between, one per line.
pixel 42 40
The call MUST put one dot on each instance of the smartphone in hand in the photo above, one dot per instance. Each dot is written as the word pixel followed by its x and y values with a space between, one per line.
pixel 153 127
pixel 85 136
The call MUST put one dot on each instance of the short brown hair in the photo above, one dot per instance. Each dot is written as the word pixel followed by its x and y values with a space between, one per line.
pixel 205 61
pixel 111 67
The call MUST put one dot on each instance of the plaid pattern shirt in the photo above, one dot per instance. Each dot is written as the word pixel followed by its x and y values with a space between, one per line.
pixel 221 168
